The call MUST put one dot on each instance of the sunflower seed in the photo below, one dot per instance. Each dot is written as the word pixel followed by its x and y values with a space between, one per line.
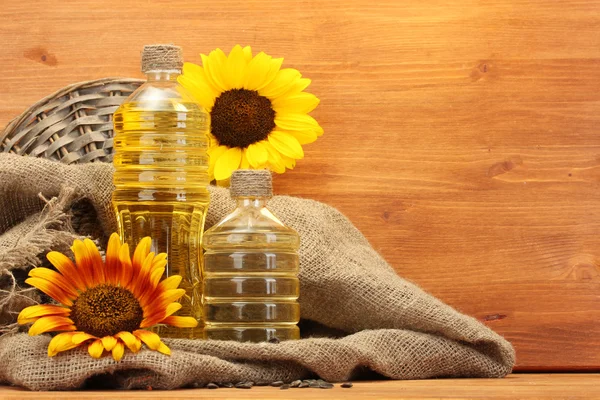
pixel 314 385
pixel 285 386
pixel 277 383
pixel 326 385
pixel 244 385
pixel 212 386
pixel 303 385
pixel 347 385
pixel 295 383
pixel 226 384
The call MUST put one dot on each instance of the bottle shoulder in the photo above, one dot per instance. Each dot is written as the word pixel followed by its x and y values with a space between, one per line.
pixel 251 228
pixel 161 96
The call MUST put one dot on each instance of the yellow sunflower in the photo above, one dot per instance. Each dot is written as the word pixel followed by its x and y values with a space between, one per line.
pixel 107 304
pixel 259 112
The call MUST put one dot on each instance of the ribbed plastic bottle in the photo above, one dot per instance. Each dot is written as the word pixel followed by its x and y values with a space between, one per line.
pixel 161 174
pixel 251 282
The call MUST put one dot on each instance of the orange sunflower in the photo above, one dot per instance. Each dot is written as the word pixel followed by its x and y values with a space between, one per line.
pixel 106 305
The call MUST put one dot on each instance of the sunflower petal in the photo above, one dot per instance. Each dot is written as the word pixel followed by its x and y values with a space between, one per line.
pixel 83 261
pixel 170 296
pixel 160 260
pixel 257 155
pixel 61 342
pixel 151 339
pixel 258 70
pixel 96 348
pixel 133 343
pixel 47 324
pixel 213 64
pixel 155 277
pixel 275 161
pixel 302 103
pixel 67 269
pixel 288 162
pixel 112 263
pixel 197 74
pixel 126 266
pixel 118 351
pixel 109 342
pixel 158 317
pixel 244 164
pixel 202 93
pixel 32 313
pixel 214 153
pixel 164 349
pixel 142 282
pixel 297 87
pixel 236 67
pixel 81 337
pixel 303 137
pixel 286 144
pixel 50 289
pixel 248 53
pixel 171 282
pixel 227 163
pixel 139 255
pixel 180 322
pixel 162 301
pixel 282 83
pixel 96 260
pixel 273 70
pixel 298 122
pixel 56 279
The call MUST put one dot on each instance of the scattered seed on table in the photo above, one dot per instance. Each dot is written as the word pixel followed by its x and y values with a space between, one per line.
pixel 284 386
pixel 346 385
pixel 212 386
pixel 277 383
pixel 304 385
pixel 226 384
pixel 295 383
pixel 244 385
pixel 326 385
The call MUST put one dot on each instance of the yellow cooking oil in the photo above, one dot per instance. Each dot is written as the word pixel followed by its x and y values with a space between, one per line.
pixel 251 285
pixel 161 176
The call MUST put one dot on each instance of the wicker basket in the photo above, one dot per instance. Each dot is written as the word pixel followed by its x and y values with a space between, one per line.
pixel 72 125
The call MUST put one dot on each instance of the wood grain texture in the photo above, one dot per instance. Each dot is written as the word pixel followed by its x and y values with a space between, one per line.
pixel 524 386
pixel 460 136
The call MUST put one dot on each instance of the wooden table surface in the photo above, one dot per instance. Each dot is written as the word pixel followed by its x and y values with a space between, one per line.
pixel 522 386
pixel 460 136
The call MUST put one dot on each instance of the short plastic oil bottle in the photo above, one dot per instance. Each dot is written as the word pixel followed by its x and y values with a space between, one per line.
pixel 251 285
pixel 161 174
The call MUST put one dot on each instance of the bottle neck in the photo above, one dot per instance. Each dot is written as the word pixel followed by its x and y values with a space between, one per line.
pixel 168 75
pixel 255 202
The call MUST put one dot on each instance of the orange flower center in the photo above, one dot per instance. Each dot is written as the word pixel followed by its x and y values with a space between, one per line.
pixel 106 310
pixel 241 117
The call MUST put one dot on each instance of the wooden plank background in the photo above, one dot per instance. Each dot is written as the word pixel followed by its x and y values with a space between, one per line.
pixel 460 136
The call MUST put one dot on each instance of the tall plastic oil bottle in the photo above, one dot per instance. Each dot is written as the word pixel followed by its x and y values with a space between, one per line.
pixel 251 282
pixel 161 174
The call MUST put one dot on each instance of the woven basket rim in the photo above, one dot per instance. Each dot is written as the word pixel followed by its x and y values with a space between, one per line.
pixel 59 93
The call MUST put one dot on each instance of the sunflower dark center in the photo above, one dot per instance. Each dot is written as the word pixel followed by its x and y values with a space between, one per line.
pixel 106 310
pixel 241 117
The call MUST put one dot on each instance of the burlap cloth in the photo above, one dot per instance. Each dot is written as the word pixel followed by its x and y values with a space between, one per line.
pixel 378 323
